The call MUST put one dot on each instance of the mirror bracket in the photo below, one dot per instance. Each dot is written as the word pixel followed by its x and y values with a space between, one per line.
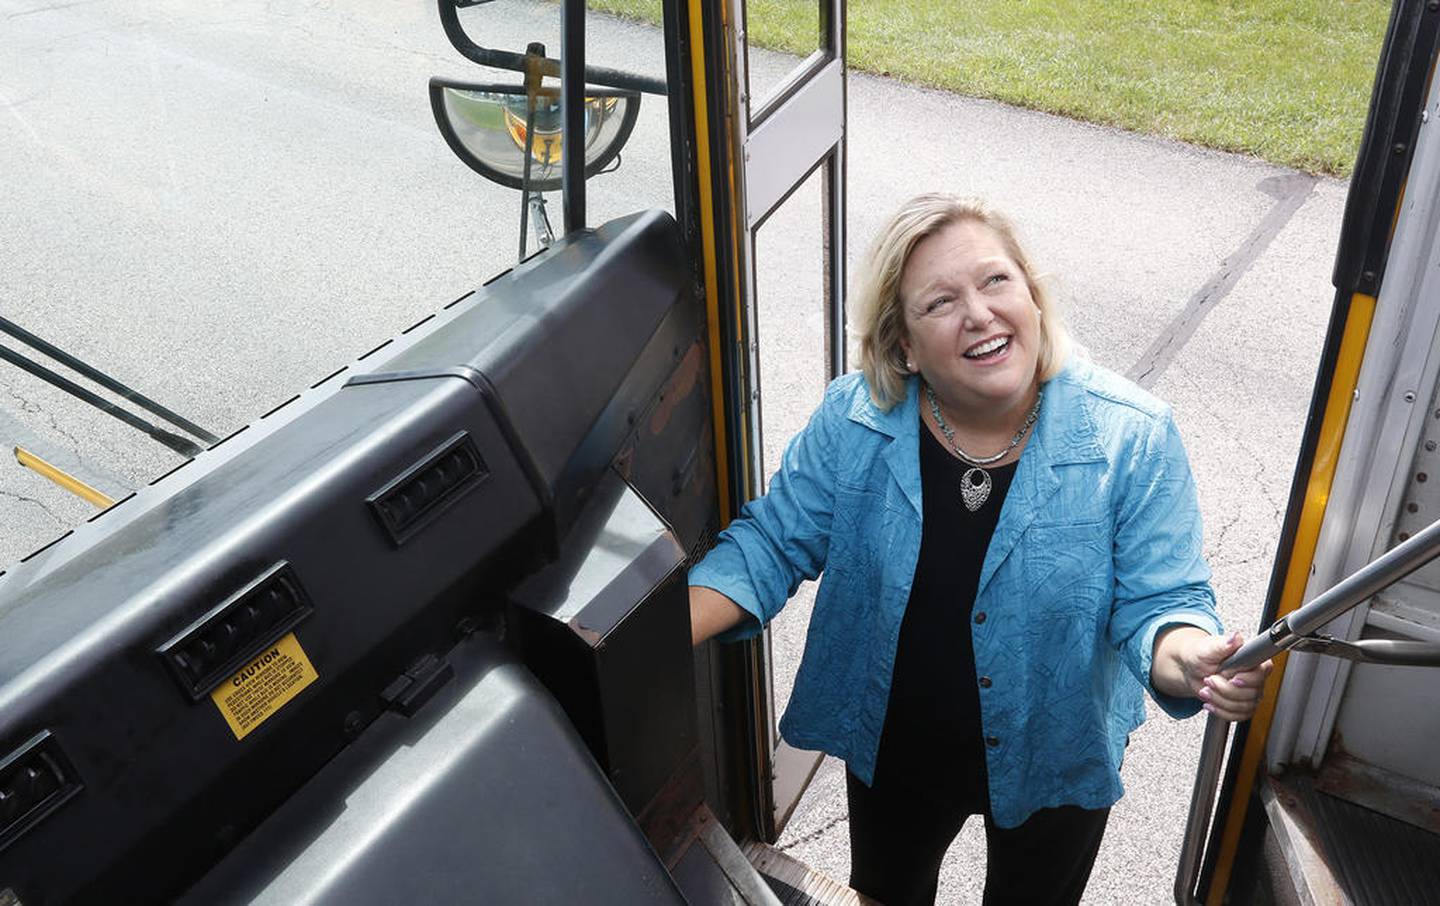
pixel 504 59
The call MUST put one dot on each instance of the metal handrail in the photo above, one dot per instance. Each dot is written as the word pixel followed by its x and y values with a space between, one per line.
pixel 1290 631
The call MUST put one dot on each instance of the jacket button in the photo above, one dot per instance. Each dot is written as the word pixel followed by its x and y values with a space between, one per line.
pixel 992 741
pixel 980 617
pixel 985 682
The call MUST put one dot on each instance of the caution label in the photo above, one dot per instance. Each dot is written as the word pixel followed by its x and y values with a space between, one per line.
pixel 264 685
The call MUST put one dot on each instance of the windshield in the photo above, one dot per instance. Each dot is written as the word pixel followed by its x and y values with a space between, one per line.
pixel 219 204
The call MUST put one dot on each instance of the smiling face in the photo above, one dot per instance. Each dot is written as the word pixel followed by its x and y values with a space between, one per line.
pixel 972 329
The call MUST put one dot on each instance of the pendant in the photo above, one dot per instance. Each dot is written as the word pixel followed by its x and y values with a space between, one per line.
pixel 974 492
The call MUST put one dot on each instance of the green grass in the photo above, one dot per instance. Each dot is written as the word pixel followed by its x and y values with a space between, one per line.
pixel 1285 81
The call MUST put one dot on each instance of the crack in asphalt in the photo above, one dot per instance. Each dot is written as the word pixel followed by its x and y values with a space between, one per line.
pixel 22 498
pixel 33 408
pixel 48 8
pixel 1291 192
pixel 1219 541
pixel 815 834
pixel 1277 507
pixel 1262 481
pixel 114 481
pixel 1244 561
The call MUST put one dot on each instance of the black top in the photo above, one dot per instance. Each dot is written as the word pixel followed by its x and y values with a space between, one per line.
pixel 932 724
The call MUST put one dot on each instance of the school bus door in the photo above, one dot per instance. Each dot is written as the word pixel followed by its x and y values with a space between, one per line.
pixel 1334 742
pixel 764 137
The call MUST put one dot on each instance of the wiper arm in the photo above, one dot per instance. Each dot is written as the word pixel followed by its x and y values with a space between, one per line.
pixel 174 441
pixel 104 380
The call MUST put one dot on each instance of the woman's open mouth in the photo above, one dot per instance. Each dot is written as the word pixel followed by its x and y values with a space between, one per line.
pixel 993 348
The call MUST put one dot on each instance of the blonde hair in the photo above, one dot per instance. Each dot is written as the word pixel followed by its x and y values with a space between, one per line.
pixel 878 321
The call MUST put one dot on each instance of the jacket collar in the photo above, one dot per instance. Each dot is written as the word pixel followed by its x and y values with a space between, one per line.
pixel 1067 430
pixel 1066 433
pixel 900 420
pixel 902 424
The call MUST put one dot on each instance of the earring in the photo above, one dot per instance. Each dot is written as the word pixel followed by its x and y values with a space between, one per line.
pixel 910 365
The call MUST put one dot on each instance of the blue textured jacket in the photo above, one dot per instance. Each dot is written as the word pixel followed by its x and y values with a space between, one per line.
pixel 1097 548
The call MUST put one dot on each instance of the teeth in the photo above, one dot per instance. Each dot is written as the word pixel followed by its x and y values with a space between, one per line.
pixel 987 347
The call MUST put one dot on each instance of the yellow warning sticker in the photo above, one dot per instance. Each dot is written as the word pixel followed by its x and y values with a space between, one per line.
pixel 264 685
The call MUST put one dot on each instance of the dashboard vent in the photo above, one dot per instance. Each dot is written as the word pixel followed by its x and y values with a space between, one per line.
pixel 35 780
pixel 234 632
pixel 422 492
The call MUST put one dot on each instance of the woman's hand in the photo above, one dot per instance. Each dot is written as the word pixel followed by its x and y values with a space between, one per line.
pixel 1187 661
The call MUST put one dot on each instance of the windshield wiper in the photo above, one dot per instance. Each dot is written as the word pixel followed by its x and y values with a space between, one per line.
pixel 181 445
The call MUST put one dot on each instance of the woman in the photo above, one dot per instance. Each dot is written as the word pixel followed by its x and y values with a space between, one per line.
pixel 1011 549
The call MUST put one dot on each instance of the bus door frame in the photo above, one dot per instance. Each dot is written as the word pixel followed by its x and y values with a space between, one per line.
pixel 764 150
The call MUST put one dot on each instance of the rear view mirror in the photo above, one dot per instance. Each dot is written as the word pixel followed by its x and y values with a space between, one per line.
pixel 514 139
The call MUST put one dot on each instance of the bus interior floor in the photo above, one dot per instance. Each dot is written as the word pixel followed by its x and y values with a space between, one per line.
pixel 1341 852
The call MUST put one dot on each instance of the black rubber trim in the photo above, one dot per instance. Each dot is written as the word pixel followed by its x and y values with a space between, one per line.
pixel 1387 146
pixel 327 377
pixel 40 550
pixel 242 428
pixel 112 506
pixel 279 407
pixel 171 471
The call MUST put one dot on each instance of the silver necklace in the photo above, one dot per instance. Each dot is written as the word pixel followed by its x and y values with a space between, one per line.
pixel 975 483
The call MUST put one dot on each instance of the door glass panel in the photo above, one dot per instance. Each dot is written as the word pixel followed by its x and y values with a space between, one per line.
pixel 781 37
pixel 791 331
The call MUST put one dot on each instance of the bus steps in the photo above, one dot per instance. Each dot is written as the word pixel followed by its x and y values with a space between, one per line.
pixel 797 884
pixel 1337 852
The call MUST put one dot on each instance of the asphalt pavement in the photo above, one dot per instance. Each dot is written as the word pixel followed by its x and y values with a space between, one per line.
pixel 221 203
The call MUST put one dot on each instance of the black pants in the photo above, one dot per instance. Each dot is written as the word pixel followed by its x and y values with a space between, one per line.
pixel 899 836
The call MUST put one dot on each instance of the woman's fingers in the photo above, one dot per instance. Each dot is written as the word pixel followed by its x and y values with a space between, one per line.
pixel 1254 678
pixel 1226 706
pixel 1220 691
pixel 1209 652
pixel 1236 697
pixel 1235 715
pixel 1232 695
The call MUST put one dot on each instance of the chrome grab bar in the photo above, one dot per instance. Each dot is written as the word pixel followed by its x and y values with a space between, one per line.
pixel 1289 632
